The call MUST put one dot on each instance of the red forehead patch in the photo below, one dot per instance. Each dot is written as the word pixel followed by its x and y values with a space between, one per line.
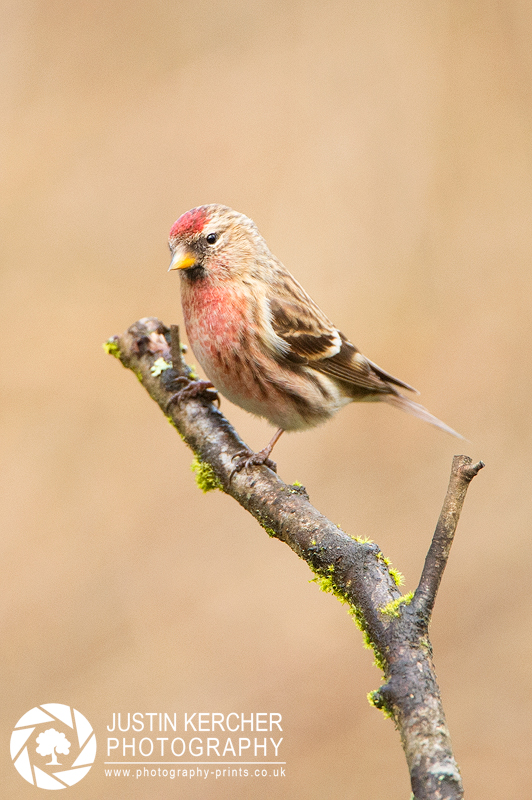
pixel 189 223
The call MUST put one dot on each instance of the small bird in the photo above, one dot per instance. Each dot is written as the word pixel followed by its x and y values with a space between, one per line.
pixel 263 343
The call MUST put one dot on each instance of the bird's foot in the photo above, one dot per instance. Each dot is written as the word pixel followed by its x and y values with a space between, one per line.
pixel 193 389
pixel 245 459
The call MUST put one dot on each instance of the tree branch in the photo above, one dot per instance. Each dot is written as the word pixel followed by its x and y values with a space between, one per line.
pixel 353 568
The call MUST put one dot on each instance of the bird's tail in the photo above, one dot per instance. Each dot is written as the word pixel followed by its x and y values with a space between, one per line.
pixel 399 401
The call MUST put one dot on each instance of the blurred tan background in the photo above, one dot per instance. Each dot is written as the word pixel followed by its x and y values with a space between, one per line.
pixel 384 150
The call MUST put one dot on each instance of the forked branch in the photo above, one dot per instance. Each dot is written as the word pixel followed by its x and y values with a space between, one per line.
pixel 351 567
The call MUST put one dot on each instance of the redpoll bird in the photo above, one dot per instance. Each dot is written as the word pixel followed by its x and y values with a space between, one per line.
pixel 261 340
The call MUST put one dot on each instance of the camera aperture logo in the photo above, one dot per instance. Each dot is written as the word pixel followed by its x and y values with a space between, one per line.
pixel 53 746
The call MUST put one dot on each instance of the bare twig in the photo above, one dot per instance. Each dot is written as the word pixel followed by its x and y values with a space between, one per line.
pixel 351 567
pixel 462 473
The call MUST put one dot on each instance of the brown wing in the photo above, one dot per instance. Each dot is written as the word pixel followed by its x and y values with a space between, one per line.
pixel 351 366
pixel 306 330
pixel 315 342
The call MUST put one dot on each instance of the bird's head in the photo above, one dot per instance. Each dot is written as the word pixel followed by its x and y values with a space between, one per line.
pixel 213 240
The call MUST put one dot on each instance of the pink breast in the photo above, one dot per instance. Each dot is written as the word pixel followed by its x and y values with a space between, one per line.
pixel 216 324
pixel 212 316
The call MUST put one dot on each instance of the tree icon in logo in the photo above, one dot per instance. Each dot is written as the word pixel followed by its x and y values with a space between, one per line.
pixel 51 740
pixel 48 730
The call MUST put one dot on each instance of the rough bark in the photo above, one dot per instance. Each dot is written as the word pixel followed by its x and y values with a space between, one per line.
pixel 349 566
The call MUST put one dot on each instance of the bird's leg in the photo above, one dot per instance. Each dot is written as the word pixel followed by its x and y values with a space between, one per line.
pixel 193 388
pixel 246 459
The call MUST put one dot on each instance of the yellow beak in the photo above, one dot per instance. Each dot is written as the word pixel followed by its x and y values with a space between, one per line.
pixel 182 259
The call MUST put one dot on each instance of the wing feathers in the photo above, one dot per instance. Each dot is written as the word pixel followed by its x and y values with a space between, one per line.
pixel 385 376
pixel 304 328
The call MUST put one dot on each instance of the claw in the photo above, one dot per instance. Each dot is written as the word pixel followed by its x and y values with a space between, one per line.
pixel 247 459
pixel 193 389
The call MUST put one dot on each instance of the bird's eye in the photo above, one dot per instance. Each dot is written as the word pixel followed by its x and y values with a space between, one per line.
pixel 211 238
